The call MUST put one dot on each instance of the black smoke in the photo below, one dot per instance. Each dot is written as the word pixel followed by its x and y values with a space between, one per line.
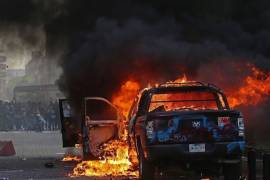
pixel 110 42
pixel 113 53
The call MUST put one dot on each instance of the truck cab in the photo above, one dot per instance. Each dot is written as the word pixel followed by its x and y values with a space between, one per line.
pixel 186 124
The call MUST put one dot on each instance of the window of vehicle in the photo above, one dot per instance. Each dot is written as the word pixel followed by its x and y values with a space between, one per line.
pixel 67 111
pixel 183 101
pixel 99 110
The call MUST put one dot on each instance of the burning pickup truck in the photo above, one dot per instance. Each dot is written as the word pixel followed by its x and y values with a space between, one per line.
pixel 187 124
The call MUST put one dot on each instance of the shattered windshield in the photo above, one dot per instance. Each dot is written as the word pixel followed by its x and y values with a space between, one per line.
pixel 183 101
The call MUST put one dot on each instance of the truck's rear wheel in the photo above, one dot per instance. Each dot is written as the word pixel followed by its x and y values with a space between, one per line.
pixel 232 171
pixel 146 169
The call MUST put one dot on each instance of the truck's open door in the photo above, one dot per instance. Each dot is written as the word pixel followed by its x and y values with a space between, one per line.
pixel 71 125
pixel 101 121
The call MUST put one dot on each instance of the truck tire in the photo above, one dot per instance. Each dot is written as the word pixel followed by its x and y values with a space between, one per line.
pixel 232 171
pixel 146 169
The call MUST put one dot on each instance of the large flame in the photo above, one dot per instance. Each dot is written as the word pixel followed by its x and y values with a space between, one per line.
pixel 115 162
pixel 256 88
pixel 125 97
pixel 116 159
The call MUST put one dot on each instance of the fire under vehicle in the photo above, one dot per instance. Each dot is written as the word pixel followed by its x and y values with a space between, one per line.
pixel 186 124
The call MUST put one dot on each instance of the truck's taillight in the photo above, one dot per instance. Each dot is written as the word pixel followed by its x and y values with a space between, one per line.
pixel 241 126
pixel 150 130
pixel 223 121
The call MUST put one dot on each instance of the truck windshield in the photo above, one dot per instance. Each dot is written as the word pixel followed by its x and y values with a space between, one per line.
pixel 183 101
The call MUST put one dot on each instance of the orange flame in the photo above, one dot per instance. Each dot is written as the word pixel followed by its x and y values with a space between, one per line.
pixel 115 163
pixel 124 98
pixel 181 79
pixel 71 158
pixel 116 160
pixel 255 89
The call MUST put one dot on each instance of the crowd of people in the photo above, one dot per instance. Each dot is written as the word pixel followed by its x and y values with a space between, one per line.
pixel 29 116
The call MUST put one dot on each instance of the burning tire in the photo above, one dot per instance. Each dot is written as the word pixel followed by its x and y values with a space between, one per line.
pixel 232 171
pixel 146 169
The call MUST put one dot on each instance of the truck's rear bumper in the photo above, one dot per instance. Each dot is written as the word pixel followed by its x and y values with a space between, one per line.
pixel 213 151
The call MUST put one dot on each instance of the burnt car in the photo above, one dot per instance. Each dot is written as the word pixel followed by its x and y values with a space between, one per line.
pixel 189 125
pixel 95 122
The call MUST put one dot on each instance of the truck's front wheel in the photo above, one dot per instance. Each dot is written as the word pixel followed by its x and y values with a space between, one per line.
pixel 146 169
